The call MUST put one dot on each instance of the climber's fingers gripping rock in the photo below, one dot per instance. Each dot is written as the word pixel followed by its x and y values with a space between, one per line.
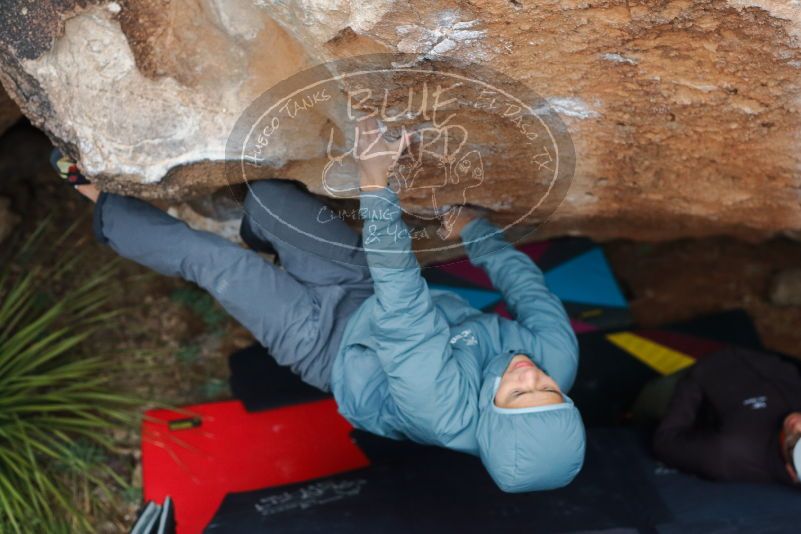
pixel 375 155
pixel 455 220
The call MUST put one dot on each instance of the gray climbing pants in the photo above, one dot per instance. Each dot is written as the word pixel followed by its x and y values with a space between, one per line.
pixel 299 310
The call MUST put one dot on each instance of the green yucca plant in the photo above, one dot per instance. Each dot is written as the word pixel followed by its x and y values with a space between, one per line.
pixel 56 407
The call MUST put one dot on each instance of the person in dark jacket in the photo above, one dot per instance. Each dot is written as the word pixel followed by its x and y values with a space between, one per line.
pixel 735 416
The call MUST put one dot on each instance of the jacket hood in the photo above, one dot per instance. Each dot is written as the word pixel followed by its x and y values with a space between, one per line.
pixel 528 449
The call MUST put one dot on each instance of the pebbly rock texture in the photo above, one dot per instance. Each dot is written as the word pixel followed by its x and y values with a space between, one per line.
pixel 685 115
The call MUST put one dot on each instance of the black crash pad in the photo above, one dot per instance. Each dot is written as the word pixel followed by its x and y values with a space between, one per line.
pixel 412 488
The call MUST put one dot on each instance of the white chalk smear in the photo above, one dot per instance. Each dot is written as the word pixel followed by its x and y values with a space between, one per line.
pixel 618 58
pixel 570 107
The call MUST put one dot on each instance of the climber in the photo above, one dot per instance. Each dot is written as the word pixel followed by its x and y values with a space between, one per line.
pixel 402 361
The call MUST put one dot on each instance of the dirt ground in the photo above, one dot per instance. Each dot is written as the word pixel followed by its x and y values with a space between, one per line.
pixel 178 339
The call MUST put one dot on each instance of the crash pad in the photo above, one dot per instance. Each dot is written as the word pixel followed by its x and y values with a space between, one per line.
pixel 575 269
pixel 199 454
pixel 413 488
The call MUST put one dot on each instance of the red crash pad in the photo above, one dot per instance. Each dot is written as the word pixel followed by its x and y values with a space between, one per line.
pixel 200 453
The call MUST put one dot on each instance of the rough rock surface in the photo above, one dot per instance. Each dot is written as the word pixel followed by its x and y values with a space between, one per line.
pixel 685 114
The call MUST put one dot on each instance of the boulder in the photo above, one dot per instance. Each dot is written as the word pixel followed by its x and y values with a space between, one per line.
pixel 675 118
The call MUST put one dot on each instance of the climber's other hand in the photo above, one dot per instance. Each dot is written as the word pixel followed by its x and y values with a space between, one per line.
pixel 464 216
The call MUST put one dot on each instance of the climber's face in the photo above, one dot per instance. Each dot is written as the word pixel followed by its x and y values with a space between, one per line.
pixel 524 385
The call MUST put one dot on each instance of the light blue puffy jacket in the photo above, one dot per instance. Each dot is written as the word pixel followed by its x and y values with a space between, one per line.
pixel 423 364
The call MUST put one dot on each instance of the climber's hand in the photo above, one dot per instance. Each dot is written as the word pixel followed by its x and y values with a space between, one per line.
pixel 90 191
pixel 464 216
pixel 375 155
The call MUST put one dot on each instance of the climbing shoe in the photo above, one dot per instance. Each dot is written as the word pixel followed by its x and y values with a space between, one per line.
pixel 67 169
